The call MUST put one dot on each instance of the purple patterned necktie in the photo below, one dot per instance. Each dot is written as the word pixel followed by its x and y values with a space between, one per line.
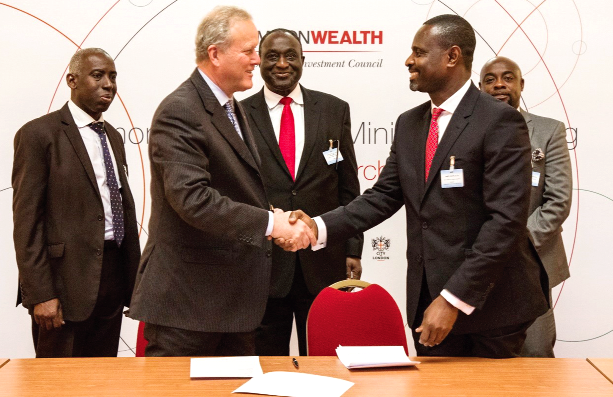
pixel 111 181
pixel 230 113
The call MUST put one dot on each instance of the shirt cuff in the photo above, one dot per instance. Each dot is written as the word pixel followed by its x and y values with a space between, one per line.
pixel 451 298
pixel 271 223
pixel 322 234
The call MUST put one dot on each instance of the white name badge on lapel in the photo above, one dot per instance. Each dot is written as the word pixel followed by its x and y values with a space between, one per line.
pixel 536 176
pixel 331 156
pixel 452 177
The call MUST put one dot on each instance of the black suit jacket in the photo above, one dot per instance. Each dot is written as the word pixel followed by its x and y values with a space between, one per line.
pixel 470 240
pixel 318 187
pixel 206 264
pixel 59 218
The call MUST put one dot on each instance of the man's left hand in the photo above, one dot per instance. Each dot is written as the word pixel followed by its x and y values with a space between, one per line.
pixel 354 267
pixel 438 320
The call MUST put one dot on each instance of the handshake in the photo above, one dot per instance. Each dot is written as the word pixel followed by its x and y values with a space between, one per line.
pixel 293 230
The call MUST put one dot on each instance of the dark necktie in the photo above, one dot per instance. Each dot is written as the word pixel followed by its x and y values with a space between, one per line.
pixel 230 114
pixel 111 181
pixel 287 136
pixel 432 142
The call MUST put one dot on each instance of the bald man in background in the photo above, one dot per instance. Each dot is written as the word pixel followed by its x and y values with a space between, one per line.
pixel 550 198
pixel 75 229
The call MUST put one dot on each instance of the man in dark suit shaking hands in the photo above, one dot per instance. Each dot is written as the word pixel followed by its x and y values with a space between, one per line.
pixel 460 164
pixel 293 127
pixel 75 229
pixel 204 277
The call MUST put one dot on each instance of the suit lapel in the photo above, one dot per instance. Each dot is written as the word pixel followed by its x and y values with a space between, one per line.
pixel 457 125
pixel 261 117
pixel 528 122
pixel 74 136
pixel 420 149
pixel 221 121
pixel 311 128
pixel 246 131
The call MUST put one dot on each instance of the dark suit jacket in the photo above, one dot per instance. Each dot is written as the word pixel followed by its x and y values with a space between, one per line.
pixel 59 218
pixel 206 264
pixel 470 240
pixel 318 188
pixel 550 201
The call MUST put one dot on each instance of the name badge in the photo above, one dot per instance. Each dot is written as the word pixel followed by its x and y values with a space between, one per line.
pixel 452 178
pixel 536 176
pixel 333 156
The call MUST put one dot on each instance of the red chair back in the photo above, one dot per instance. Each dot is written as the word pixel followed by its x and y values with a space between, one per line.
pixel 369 317
pixel 141 342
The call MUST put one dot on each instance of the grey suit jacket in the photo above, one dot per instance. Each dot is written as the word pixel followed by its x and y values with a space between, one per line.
pixel 470 240
pixel 550 201
pixel 59 218
pixel 318 187
pixel 206 264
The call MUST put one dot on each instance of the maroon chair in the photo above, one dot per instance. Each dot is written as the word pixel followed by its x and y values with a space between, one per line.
pixel 368 317
pixel 141 342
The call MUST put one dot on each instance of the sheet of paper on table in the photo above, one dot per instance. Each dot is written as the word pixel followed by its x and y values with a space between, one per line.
pixel 295 384
pixel 373 356
pixel 225 367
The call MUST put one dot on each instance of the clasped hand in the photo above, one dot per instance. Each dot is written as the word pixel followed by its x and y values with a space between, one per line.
pixel 292 230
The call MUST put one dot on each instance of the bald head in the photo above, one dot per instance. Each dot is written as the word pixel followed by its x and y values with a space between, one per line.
pixel 501 77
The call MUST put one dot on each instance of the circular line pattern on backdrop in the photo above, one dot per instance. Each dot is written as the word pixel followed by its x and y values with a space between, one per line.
pixel 78 47
pixel 608 332
pixel 142 3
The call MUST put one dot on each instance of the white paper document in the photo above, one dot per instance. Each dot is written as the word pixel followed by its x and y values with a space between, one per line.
pixel 373 356
pixel 295 384
pixel 225 367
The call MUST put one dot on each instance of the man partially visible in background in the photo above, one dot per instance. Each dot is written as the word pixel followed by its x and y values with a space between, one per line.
pixel 293 127
pixel 551 194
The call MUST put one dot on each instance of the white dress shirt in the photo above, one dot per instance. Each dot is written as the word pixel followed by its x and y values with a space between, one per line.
pixel 275 109
pixel 91 139
pixel 449 107
pixel 223 99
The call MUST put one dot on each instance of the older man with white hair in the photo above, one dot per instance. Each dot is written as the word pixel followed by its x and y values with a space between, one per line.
pixel 204 277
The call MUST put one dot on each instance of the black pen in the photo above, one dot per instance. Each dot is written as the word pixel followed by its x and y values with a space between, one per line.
pixel 295 362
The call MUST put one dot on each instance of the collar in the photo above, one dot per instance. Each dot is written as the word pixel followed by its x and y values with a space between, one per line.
pixel 218 92
pixel 81 118
pixel 451 104
pixel 272 99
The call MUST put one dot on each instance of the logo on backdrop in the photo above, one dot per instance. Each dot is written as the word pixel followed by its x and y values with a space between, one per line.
pixel 341 48
pixel 380 245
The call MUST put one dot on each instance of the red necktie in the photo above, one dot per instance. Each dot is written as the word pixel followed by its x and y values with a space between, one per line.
pixel 287 136
pixel 432 142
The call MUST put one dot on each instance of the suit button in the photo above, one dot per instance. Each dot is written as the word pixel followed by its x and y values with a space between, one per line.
pixel 420 258
pixel 294 192
pixel 268 253
pixel 100 217
pixel 98 252
pixel 424 225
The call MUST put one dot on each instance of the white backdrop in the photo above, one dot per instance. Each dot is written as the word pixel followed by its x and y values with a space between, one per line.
pixel 556 42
